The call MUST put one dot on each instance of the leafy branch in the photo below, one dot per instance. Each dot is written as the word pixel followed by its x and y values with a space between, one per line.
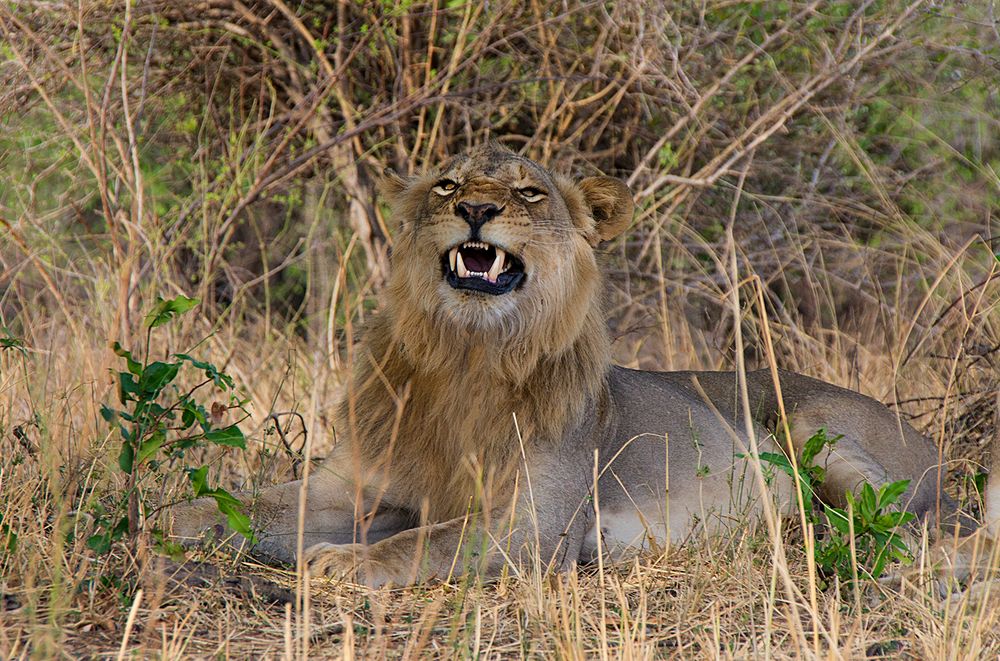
pixel 157 423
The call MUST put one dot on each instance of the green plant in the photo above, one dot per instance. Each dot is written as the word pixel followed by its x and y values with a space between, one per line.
pixel 9 341
pixel 872 520
pixel 158 422
pixel 862 538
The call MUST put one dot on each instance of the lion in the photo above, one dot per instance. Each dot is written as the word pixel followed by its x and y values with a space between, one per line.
pixel 484 423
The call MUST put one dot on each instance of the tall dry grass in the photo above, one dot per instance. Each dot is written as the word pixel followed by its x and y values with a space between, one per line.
pixel 842 156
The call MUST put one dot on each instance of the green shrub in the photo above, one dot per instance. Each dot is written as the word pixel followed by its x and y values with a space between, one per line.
pixel 862 538
pixel 158 422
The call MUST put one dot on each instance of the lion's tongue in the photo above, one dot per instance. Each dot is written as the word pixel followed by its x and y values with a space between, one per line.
pixel 477 260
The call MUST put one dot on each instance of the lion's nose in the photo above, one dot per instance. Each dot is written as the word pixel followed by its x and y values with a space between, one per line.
pixel 477 215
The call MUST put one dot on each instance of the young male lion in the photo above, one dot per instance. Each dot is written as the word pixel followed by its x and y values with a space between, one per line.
pixel 484 417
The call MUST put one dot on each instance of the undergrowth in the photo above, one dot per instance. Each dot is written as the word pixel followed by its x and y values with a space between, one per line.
pixel 831 167
pixel 159 425
pixel 864 537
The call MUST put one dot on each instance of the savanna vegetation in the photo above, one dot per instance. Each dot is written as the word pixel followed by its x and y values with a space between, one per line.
pixel 191 239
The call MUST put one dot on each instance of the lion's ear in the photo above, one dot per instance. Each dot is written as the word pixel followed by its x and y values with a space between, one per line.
pixel 390 184
pixel 611 206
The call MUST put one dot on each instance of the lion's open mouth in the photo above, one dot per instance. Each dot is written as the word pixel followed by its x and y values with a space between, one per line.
pixel 480 266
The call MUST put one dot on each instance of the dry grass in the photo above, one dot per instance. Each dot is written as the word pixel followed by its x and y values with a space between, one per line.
pixel 842 155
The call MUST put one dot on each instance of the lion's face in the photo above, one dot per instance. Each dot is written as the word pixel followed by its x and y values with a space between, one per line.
pixel 494 242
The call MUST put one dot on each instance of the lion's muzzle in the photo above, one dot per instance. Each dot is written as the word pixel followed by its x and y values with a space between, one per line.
pixel 482 267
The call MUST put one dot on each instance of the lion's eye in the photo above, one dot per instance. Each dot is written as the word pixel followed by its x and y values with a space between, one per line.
pixel 531 194
pixel 445 187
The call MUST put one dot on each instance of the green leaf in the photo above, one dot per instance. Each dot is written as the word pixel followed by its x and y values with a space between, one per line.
pixel 99 543
pixel 223 498
pixel 979 482
pixel 191 413
pixel 890 493
pixel 128 389
pixel 156 376
pixel 869 502
pixel 165 310
pixel 893 520
pixel 120 529
pixel 9 341
pixel 240 522
pixel 165 546
pixel 778 460
pixel 126 458
pixel 10 545
pixel 108 413
pixel 221 379
pixel 231 436
pixel 198 479
pixel 151 446
pixel 897 542
pixel 158 411
pixel 232 508
pixel 813 446
pixel 133 365
pixel 227 503
pixel 838 520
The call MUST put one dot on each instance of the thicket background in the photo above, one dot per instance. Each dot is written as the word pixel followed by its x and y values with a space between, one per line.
pixel 844 155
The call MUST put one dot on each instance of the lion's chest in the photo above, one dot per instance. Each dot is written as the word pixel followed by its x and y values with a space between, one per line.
pixel 456 451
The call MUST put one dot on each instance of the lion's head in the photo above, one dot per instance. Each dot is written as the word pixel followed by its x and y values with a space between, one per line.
pixel 495 248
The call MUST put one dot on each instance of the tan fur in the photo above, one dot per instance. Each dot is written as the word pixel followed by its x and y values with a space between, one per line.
pixel 549 365
pixel 494 405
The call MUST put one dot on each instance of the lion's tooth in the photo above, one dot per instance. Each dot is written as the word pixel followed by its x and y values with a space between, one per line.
pixel 497 266
pixel 452 255
pixel 460 267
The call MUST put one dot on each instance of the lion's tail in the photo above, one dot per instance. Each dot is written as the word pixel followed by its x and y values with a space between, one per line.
pixel 992 496
pixel 992 492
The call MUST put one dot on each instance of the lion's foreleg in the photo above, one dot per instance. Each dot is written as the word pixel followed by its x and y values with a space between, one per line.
pixel 464 545
pixel 328 515
pixel 546 533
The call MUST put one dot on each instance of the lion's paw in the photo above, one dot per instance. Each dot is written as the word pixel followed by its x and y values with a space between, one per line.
pixel 333 560
pixel 346 562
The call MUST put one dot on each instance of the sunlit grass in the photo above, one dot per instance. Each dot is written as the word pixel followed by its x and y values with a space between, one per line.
pixel 189 161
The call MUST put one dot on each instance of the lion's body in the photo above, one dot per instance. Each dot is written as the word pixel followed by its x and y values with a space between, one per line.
pixel 483 407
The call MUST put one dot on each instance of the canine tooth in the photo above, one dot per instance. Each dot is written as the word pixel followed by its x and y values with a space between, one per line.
pixel 498 262
pixel 460 267
pixel 452 255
